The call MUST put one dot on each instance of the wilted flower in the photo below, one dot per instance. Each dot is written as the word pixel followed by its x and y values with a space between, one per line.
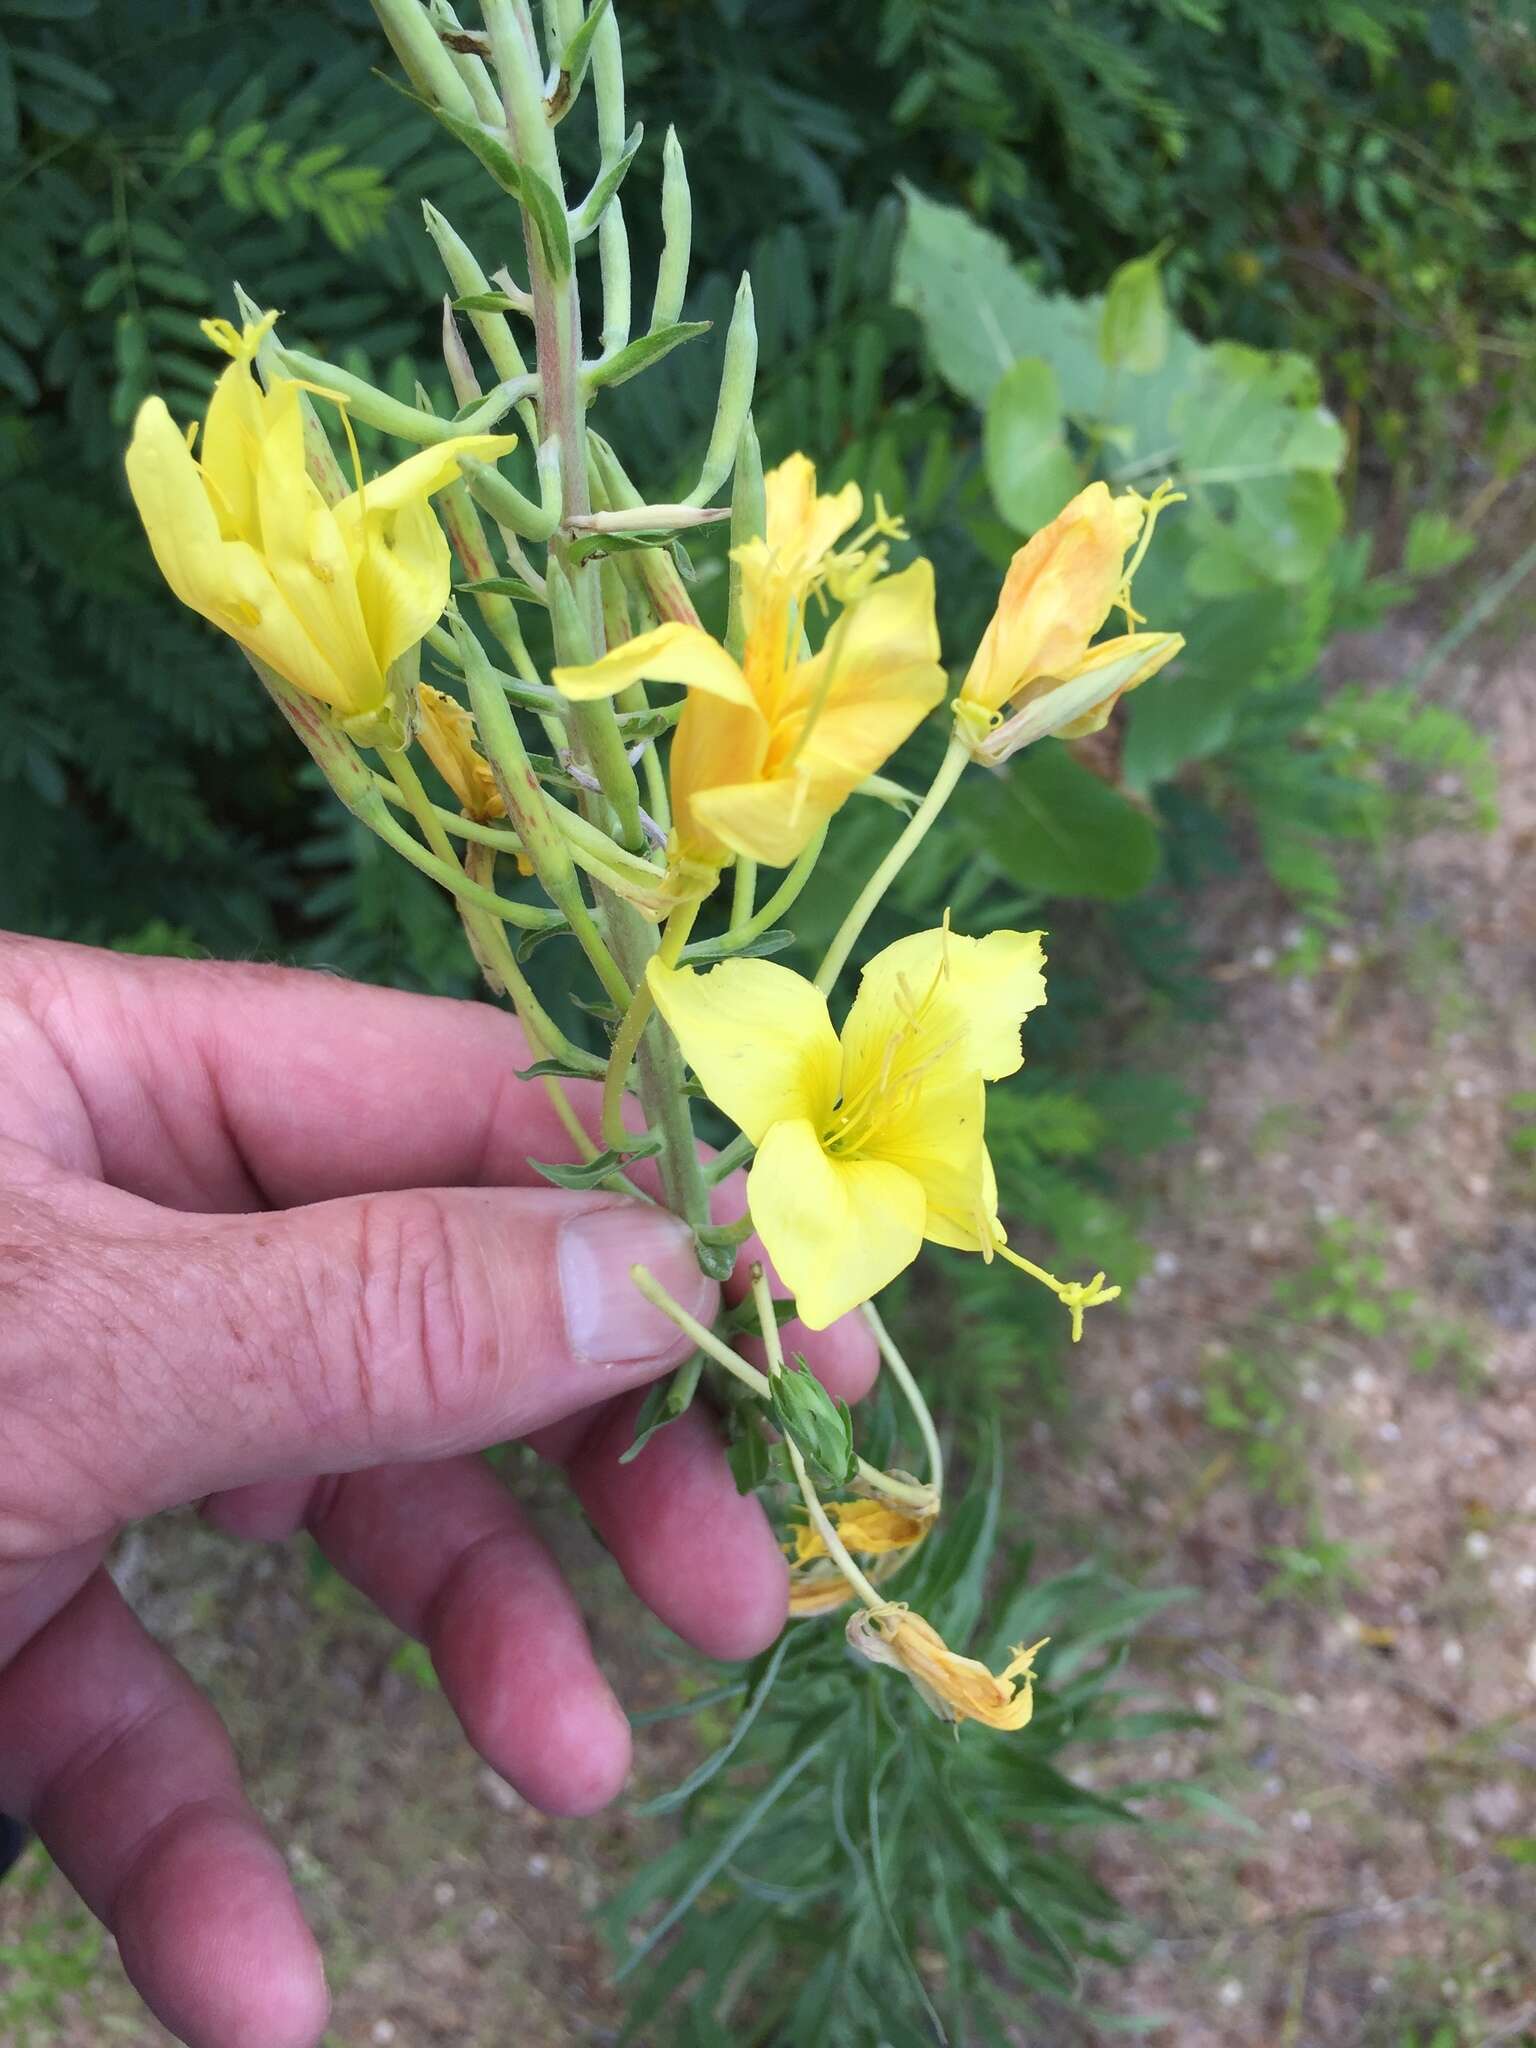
pixel 448 736
pixel 956 1688
pixel 871 1527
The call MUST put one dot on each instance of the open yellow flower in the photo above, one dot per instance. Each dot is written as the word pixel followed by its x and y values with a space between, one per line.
pixel 868 1145
pixel 331 598
pixel 1035 656
pixel 956 1688
pixel 768 748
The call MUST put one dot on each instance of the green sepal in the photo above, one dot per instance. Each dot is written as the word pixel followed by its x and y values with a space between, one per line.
pixel 591 1173
pixel 822 1427
pixel 642 352
pixel 716 1261
pixel 665 1401
pixel 531 940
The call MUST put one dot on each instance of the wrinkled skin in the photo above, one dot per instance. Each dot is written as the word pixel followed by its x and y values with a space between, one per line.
pixel 270 1241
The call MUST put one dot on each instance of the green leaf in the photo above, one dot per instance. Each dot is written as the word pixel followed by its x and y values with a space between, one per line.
pixel 591 1173
pixel 752 1706
pixel 1190 712
pixel 554 1069
pixel 577 54
pixel 664 1402
pixel 548 216
pixel 747 1456
pixel 1030 467
pixel 726 948
pixel 977 310
pixel 1435 543
pixel 1134 326
pixel 1053 826
pixel 641 353
pixel 597 201
pixel 484 302
pixel 503 586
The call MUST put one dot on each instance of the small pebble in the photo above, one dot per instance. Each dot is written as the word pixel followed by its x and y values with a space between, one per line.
pixel 1452 1653
pixel 1478 1545
pixel 443 1893
pixel 1389 1433
pixel 383 2032
pixel 1525 1577
pixel 538 1866
pixel 1301 1821
pixel 1165 1265
pixel 1231 1993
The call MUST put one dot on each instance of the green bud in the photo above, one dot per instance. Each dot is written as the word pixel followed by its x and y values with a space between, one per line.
pixel 677 230
pixel 821 1427
pixel 737 379
pixel 423 59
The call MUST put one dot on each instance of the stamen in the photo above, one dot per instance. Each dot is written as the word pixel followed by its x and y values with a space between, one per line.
pixel 1164 496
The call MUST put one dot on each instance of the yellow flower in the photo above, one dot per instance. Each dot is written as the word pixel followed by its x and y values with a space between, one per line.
pixel 870 1527
pixel 448 736
pixel 869 1145
pixel 331 598
pixel 1035 655
pixel 956 1688
pixel 768 748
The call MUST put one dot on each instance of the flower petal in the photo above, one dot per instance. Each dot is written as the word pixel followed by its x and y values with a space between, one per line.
pixel 403 577
pixel 428 470
pixel 672 653
pixel 231 440
pixel 771 821
pixel 876 678
pixel 936 1135
pixel 1057 594
pixel 758 1037
pixel 838 1230
pixel 993 982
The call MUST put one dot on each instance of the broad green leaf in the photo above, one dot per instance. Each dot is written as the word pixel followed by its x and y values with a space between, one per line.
pixel 1188 713
pixel 1135 323
pixel 1053 826
pixel 977 310
pixel 1030 467
pixel 1249 415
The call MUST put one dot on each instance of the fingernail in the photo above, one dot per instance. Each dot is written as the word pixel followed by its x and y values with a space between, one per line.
pixel 608 1321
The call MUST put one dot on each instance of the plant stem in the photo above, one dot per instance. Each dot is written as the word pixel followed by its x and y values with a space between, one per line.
pixel 761 920
pixel 743 892
pixel 951 768
pixel 758 1383
pixel 636 1017
pixel 486 932
pixel 901 1372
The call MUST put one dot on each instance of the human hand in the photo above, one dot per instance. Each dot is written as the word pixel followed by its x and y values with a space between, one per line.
pixel 271 1240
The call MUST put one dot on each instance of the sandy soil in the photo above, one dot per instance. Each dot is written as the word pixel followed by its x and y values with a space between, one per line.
pixel 1351 1491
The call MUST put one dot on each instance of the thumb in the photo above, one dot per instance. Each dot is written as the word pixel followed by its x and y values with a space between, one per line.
pixel 189 1354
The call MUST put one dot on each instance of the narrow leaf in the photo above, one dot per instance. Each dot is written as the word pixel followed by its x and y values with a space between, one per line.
pixel 642 352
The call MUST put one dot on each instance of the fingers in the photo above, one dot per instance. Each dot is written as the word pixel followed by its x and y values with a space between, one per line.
pixel 212 1087
pixel 208 1352
pixel 698 1553
pixel 123 1768
pixel 447 1556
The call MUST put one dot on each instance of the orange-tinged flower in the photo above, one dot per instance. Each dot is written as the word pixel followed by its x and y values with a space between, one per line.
pixel 1035 658
pixel 956 1688
pixel 769 747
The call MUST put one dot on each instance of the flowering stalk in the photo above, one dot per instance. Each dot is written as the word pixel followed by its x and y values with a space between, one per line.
pixel 624 809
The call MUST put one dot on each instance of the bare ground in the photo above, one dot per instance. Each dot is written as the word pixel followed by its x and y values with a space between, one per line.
pixel 1351 1490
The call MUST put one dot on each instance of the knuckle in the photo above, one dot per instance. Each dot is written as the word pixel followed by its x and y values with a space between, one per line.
pixel 425 1312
